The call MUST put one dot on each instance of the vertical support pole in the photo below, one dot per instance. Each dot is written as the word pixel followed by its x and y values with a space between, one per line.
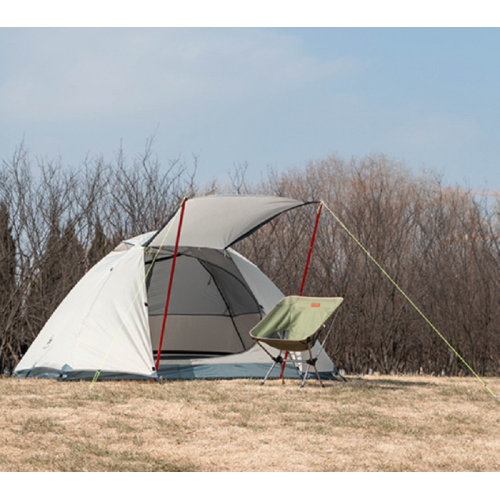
pixel 310 249
pixel 313 237
pixel 170 283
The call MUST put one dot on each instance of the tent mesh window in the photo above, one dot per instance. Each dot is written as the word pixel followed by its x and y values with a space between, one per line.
pixel 211 309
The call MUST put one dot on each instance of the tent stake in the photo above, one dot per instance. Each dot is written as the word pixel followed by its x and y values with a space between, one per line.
pixel 305 272
pixel 170 284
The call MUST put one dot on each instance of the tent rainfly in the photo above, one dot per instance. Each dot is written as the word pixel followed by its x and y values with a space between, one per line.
pixel 112 320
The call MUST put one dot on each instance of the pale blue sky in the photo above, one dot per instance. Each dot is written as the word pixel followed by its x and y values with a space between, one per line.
pixel 268 97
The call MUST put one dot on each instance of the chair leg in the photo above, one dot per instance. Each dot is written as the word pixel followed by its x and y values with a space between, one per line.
pixel 269 373
pixel 317 374
pixel 304 378
pixel 277 359
pixel 312 361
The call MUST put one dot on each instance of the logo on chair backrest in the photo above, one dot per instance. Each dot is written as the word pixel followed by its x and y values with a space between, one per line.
pixel 315 304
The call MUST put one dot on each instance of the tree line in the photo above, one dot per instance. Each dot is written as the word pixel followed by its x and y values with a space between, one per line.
pixel 440 246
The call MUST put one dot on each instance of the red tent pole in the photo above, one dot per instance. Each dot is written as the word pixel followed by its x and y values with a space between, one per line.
pixel 170 283
pixel 310 249
pixel 305 270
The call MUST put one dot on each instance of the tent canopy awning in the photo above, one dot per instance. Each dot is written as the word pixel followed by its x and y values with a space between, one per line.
pixel 220 221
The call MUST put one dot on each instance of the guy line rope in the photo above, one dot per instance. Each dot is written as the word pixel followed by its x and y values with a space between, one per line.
pixel 410 301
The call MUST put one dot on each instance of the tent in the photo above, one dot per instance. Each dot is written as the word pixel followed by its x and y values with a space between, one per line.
pixel 113 319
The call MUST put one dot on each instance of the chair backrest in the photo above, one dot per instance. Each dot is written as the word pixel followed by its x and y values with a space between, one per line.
pixel 294 322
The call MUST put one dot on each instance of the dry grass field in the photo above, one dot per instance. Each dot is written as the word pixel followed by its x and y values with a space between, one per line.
pixel 376 423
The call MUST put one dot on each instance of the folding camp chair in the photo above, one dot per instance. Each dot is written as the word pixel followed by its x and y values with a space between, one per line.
pixel 293 325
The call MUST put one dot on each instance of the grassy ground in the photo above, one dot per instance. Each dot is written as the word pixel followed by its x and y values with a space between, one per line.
pixel 390 423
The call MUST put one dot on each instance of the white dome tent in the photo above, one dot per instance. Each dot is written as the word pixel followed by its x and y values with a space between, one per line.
pixel 112 320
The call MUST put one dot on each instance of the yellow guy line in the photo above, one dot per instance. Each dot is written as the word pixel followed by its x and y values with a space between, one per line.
pixel 410 301
pixel 98 372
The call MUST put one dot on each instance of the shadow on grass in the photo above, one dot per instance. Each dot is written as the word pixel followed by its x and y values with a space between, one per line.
pixel 358 382
pixel 390 384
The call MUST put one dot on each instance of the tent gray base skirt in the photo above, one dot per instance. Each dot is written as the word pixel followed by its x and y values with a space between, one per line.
pixel 174 372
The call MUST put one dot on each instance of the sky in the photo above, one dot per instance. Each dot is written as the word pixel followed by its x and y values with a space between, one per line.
pixel 265 97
